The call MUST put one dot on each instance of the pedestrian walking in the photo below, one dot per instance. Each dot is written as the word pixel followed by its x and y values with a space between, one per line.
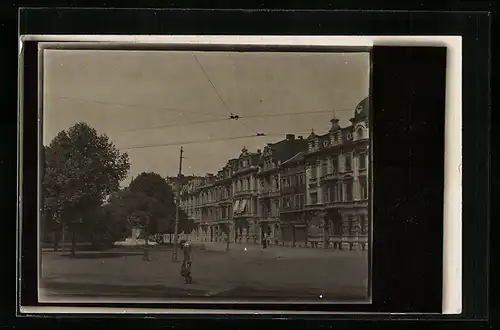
pixel 264 241
pixel 187 262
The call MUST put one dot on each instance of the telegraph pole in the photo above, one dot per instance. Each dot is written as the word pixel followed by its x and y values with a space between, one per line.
pixel 177 205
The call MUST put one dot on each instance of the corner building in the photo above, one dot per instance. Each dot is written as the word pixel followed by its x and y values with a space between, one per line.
pixel 337 183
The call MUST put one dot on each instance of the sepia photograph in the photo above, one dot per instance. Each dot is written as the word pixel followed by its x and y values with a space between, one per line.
pixel 190 175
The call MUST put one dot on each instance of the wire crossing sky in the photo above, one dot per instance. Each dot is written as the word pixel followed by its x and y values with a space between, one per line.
pixel 163 100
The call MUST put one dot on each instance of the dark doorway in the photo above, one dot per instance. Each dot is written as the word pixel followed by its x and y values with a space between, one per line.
pixel 334 221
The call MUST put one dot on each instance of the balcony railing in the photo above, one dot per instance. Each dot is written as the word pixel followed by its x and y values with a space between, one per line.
pixel 245 192
pixel 244 214
pixel 269 193
pixel 292 208
pixel 329 176
pixel 267 168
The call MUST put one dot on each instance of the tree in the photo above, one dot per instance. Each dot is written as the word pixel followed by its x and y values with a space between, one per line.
pixel 163 219
pixel 186 225
pixel 81 169
pixel 154 186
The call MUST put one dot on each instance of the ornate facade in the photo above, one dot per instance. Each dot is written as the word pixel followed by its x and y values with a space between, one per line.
pixel 296 192
pixel 337 182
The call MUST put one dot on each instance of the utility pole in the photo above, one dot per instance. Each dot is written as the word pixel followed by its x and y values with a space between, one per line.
pixel 177 206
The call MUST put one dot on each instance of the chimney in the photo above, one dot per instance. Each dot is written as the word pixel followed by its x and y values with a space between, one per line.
pixel 290 137
pixel 335 124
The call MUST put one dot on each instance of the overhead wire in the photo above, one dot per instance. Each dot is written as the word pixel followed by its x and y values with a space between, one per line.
pixel 182 111
pixel 231 114
pixel 203 141
pixel 184 142
pixel 177 125
pixel 238 118
pixel 212 84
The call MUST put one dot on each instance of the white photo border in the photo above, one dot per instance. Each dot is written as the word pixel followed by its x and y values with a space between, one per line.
pixel 452 230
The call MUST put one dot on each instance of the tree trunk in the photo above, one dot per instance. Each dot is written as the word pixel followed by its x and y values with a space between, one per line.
pixel 73 242
pixel 63 236
pixel 55 241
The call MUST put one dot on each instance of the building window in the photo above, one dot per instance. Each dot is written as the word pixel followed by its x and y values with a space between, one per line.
pixel 248 184
pixel 362 161
pixel 348 162
pixel 314 198
pixel 286 202
pixel 325 166
pixel 335 164
pixel 350 224
pixel 313 172
pixel 363 185
pixel 348 190
pixel 364 226
pixel 325 196
pixel 333 193
pixel 297 200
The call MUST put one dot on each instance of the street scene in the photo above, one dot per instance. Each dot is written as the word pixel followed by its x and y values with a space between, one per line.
pixel 180 175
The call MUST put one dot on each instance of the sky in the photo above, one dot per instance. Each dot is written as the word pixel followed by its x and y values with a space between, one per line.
pixel 129 94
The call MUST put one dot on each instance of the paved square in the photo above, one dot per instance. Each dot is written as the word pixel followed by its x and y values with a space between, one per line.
pixel 276 273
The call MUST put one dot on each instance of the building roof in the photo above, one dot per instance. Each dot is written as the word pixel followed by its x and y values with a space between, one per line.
pixel 287 148
pixel 294 159
pixel 362 110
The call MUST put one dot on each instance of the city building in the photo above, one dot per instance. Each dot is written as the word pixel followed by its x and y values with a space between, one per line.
pixel 293 223
pixel 337 181
pixel 245 196
pixel 296 192
pixel 272 185
pixel 191 200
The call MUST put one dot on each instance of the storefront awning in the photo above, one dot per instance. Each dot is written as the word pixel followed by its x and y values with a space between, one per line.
pixel 236 207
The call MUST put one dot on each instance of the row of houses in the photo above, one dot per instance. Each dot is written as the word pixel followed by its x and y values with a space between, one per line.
pixel 299 191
